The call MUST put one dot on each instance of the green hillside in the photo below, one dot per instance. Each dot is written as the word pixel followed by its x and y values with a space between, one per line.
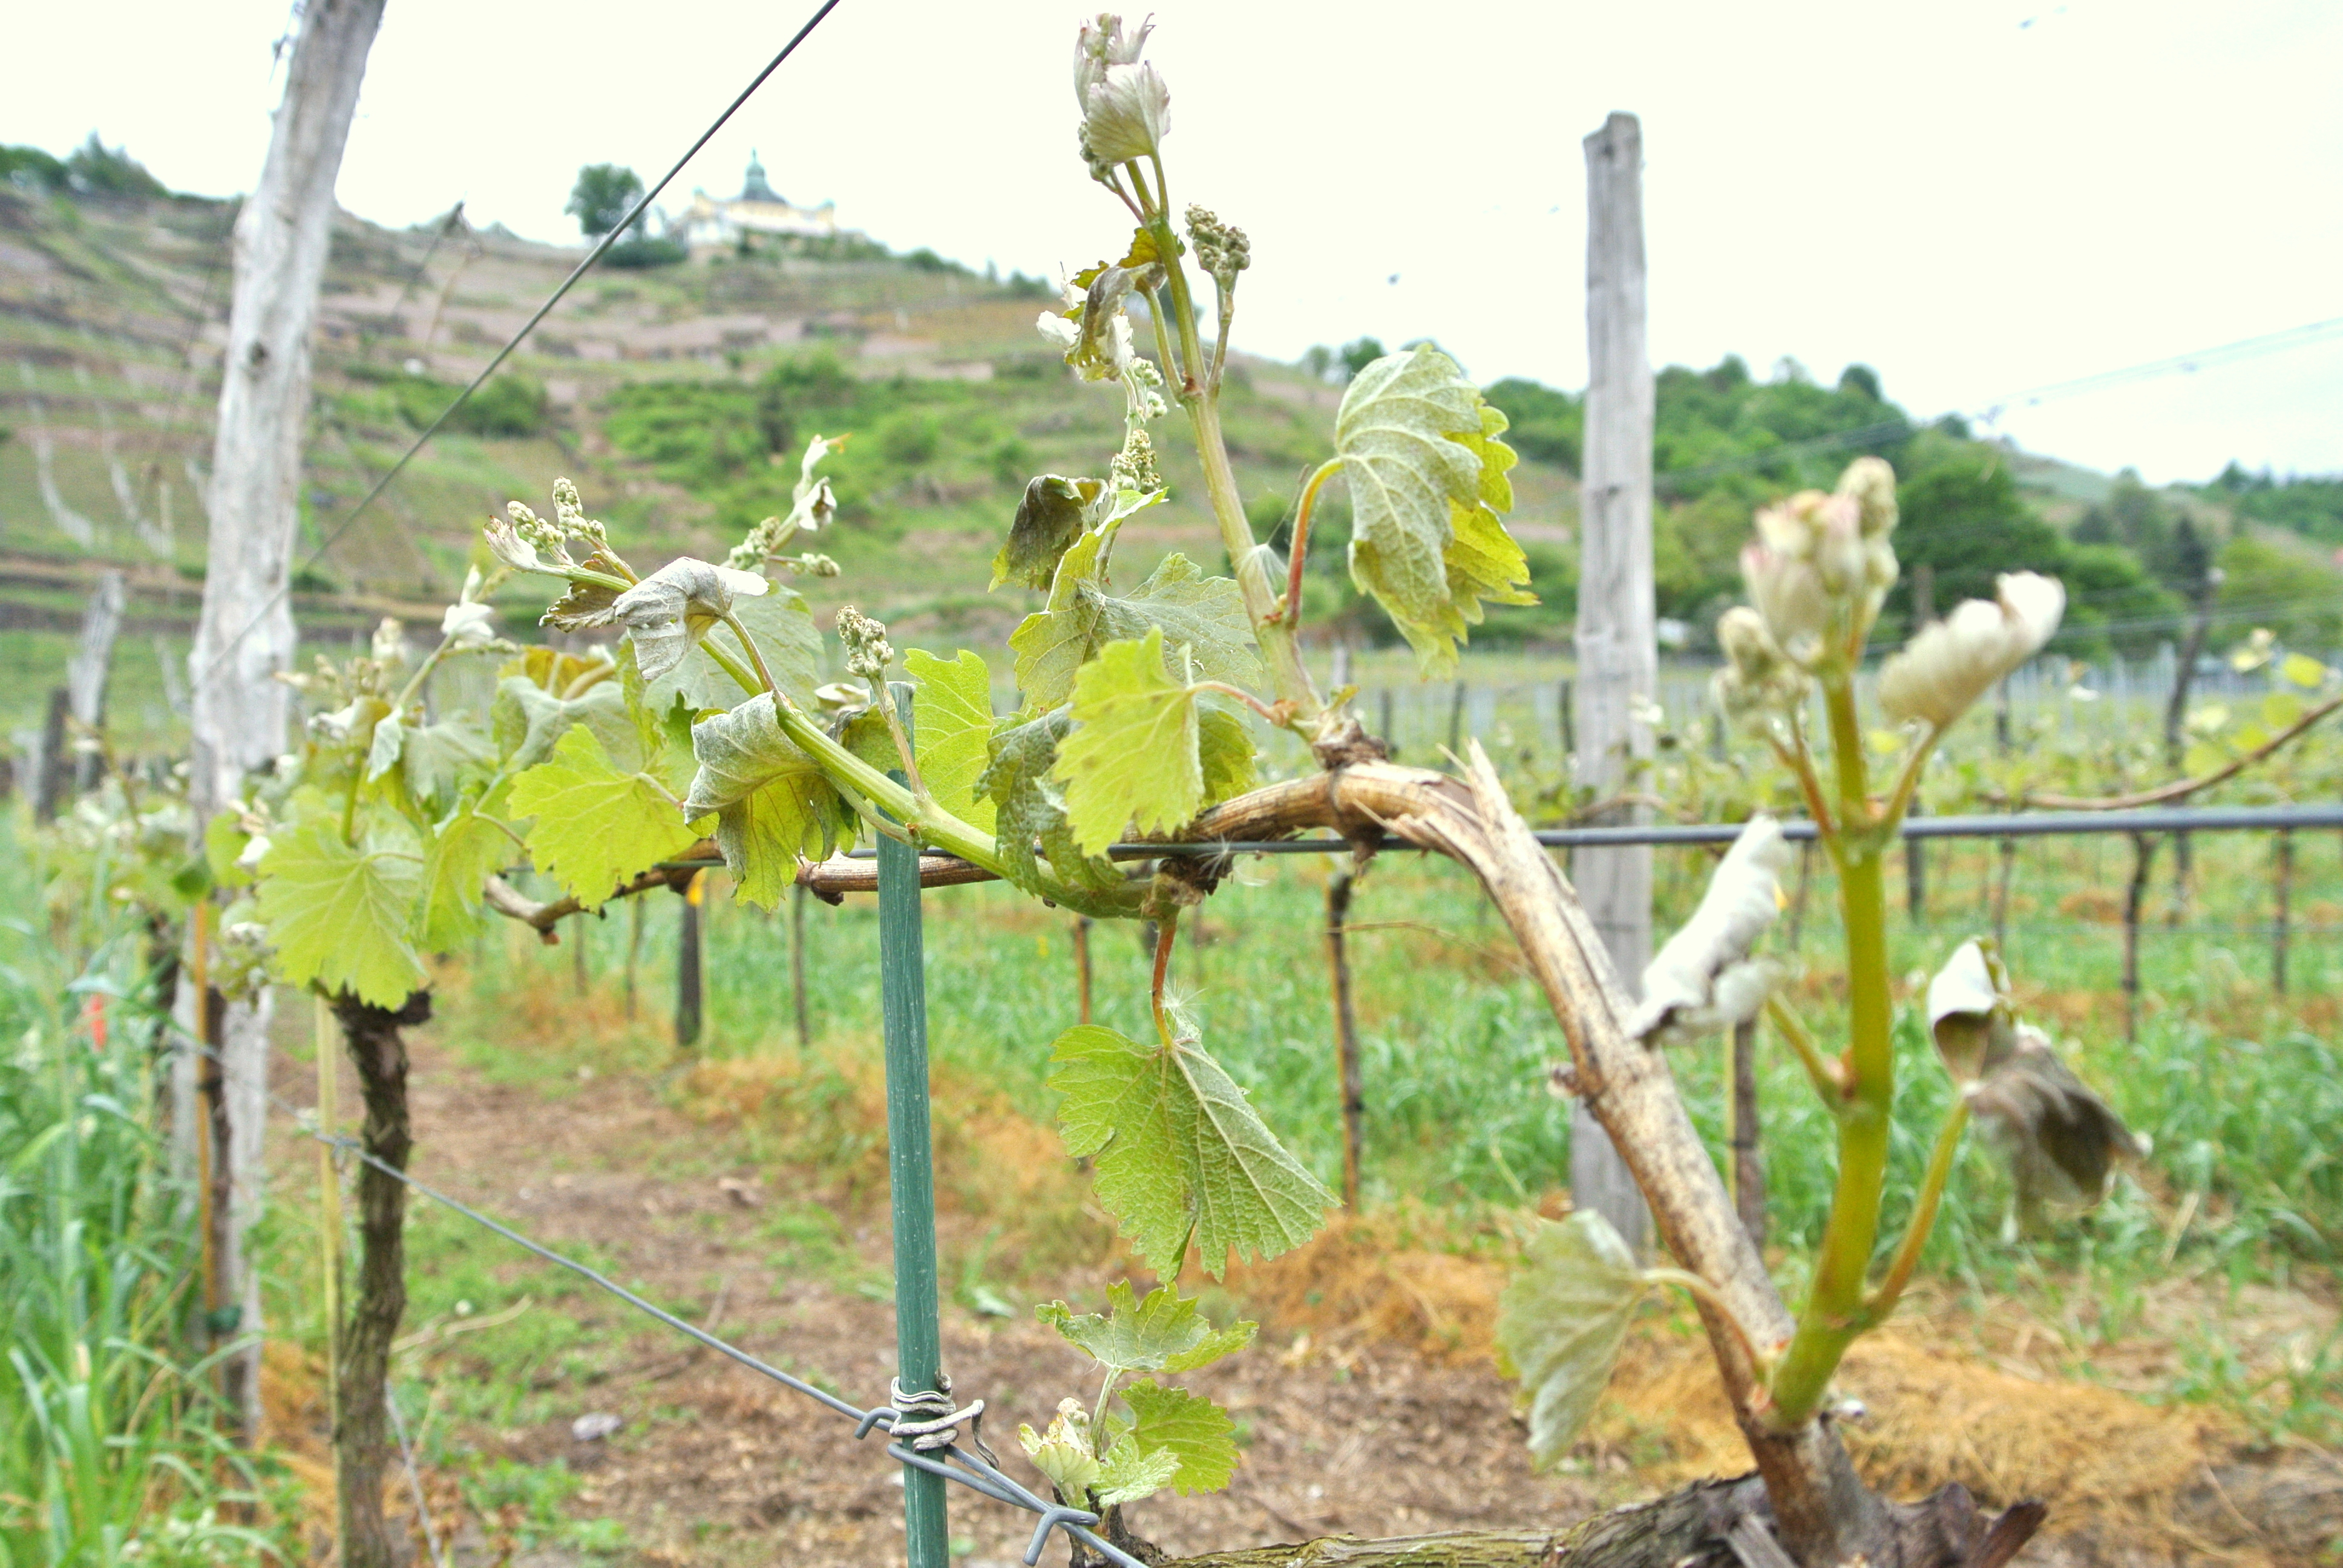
pixel 677 397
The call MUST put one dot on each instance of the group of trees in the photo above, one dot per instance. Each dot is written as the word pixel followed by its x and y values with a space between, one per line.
pixel 602 199
pixel 91 169
pixel 2135 563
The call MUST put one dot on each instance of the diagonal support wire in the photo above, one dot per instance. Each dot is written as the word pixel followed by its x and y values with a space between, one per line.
pixel 971 1471
pixel 505 353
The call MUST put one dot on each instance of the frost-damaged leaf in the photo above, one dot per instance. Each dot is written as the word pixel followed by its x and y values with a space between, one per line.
pixel 770 800
pixel 1049 520
pixel 468 847
pixel 2062 1141
pixel 1969 1012
pixel 1205 614
pixel 1130 757
pixel 951 730
pixel 1029 806
pixel 337 915
pixel 526 720
pixel 675 606
pixel 1160 1332
pixel 1063 1453
pixel 585 605
pixel 1427 477
pixel 1179 1144
pixel 1703 981
pixel 382 751
pixel 783 625
pixel 1560 1322
pixel 1190 1428
pixel 596 824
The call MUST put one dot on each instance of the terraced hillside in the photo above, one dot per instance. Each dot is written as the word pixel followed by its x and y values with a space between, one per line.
pixel 676 397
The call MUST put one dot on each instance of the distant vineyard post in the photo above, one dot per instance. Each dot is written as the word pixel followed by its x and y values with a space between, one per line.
pixel 1618 655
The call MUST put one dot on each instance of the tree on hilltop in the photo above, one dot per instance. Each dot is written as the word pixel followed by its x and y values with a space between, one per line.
pixel 603 196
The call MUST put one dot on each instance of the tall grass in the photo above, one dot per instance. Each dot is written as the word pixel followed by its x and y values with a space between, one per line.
pixel 110 1451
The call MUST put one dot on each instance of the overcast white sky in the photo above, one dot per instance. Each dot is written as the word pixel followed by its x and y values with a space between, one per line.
pixel 1974 198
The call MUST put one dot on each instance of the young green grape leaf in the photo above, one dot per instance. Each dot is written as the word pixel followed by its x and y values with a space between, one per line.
pixel 1226 749
pixel 1162 1332
pixel 467 850
pixel 1427 478
pixel 1188 1426
pixel 1049 520
pixel 1206 615
pixel 770 800
pixel 224 845
pixel 1178 1146
pixel 1561 1323
pixel 1130 1472
pixel 338 914
pixel 1130 757
pixel 527 720
pixel 1051 643
pixel 864 732
pixel 951 732
pixel 595 824
pixel 435 759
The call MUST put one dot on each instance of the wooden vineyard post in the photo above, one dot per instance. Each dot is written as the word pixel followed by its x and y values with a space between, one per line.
pixel 1618 653
pixel 798 967
pixel 1741 1108
pixel 1456 719
pixel 688 967
pixel 329 1047
pixel 1916 873
pixel 1346 1035
pixel 2143 854
pixel 2284 900
pixel 1082 963
pixel 911 1161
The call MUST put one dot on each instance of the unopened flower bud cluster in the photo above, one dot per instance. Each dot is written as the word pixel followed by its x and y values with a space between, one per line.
pixel 868 652
pixel 1221 248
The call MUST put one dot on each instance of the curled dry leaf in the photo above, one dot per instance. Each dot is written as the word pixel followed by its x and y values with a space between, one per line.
pixel 2062 1140
pixel 671 610
pixel 1953 662
pixel 1704 980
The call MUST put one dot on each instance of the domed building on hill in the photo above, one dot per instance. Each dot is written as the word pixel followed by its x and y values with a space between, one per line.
pixel 713 223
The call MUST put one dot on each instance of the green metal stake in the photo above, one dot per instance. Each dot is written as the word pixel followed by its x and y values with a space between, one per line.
pixel 911 1161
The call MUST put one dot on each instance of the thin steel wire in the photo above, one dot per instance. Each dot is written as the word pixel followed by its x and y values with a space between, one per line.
pixel 2015 825
pixel 976 1475
pixel 526 327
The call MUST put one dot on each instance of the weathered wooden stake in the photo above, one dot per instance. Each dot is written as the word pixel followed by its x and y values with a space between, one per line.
pixel 1082 962
pixel 688 968
pixel 798 965
pixel 1618 653
pixel 1346 1035
pixel 1748 1150
pixel 2283 854
pixel 2143 854
pixel 1916 874
pixel 911 1161
pixel 634 951
pixel 377 1046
